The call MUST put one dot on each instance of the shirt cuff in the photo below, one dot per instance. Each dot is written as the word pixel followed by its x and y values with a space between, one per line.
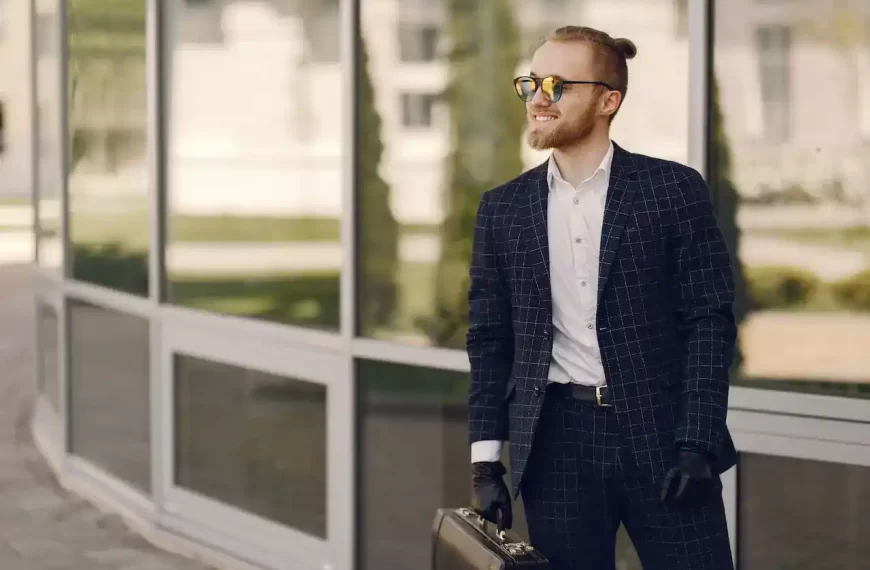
pixel 488 450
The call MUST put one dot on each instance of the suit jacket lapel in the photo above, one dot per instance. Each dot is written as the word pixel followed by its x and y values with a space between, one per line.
pixel 536 229
pixel 617 207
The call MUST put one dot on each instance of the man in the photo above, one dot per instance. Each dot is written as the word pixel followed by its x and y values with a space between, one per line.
pixel 601 332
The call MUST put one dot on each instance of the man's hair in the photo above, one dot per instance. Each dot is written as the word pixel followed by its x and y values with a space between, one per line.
pixel 610 55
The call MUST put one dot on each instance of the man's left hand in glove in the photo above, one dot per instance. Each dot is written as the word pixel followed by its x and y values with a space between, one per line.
pixel 689 480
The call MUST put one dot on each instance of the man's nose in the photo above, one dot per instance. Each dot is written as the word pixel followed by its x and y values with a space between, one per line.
pixel 540 99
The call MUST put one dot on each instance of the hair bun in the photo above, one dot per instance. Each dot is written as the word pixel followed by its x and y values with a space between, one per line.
pixel 626 47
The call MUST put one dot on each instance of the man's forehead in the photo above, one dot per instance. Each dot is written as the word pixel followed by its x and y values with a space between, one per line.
pixel 562 59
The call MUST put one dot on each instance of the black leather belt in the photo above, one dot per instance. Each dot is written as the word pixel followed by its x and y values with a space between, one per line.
pixel 598 395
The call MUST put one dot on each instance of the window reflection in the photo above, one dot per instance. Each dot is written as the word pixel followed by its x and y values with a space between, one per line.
pixel 109 411
pixel 49 152
pixel 792 178
pixel 253 440
pixel 440 124
pixel 108 168
pixel 414 459
pixel 254 159
pixel 785 522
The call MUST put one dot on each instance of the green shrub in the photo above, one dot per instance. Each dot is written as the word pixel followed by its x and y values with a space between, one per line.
pixel 854 292
pixel 111 265
pixel 309 300
pixel 778 287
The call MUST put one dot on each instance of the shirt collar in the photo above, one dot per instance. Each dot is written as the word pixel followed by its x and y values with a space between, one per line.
pixel 604 167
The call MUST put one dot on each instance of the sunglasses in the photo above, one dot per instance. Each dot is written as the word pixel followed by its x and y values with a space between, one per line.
pixel 552 87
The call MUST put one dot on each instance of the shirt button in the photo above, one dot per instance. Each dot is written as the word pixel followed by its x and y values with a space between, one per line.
pixel 578 240
pixel 583 283
pixel 589 326
pixel 576 200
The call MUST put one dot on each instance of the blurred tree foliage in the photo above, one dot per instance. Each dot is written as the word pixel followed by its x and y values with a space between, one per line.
pixel 104 37
pixel 487 122
pixel 379 231
pixel 106 70
pixel 728 202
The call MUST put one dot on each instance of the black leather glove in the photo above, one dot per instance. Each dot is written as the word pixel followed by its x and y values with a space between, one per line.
pixel 690 480
pixel 491 499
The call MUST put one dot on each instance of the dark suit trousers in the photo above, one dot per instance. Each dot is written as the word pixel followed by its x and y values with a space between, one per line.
pixel 580 484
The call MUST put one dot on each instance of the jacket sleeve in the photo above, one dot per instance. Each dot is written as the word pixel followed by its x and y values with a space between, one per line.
pixel 704 291
pixel 489 341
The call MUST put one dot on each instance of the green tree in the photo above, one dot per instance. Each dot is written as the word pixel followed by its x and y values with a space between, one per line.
pixel 379 231
pixel 728 202
pixel 104 36
pixel 486 133
pixel 106 51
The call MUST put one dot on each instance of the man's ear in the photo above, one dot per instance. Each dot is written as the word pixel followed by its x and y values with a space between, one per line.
pixel 610 103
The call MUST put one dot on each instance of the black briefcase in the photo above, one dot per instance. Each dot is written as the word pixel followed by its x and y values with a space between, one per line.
pixel 464 541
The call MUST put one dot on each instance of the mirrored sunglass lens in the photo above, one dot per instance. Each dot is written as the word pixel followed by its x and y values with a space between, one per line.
pixel 551 88
pixel 526 88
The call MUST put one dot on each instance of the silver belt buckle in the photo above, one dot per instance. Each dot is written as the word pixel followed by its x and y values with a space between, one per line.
pixel 598 398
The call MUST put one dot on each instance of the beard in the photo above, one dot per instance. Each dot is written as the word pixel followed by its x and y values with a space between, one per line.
pixel 562 133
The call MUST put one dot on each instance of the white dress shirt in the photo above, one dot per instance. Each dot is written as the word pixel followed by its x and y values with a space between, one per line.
pixel 574 220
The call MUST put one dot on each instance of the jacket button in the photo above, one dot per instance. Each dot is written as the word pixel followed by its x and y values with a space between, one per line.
pixel 537 390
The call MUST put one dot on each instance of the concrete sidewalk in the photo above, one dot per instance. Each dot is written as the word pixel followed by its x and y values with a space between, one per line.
pixel 42 527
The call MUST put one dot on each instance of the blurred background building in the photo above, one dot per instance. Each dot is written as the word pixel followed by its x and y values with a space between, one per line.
pixel 253 226
pixel 16 178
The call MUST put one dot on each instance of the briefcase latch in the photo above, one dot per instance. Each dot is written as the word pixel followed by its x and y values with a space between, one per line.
pixel 516 548
pixel 513 548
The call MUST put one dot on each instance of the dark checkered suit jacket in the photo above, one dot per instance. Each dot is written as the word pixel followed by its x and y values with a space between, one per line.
pixel 665 323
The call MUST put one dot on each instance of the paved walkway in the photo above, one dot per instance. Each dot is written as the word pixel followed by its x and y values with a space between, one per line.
pixel 42 527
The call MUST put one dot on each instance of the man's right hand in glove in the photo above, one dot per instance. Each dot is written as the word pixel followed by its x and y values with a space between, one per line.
pixel 491 495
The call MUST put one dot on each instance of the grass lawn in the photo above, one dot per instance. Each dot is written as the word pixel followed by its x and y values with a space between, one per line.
pixel 252 229
pixel 132 228
pixel 16 201
pixel 856 238
pixel 300 298
pixel 310 299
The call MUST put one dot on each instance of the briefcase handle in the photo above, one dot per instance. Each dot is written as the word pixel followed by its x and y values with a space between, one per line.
pixel 481 522
pixel 513 548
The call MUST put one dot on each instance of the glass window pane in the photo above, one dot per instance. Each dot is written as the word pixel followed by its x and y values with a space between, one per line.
pixel 108 166
pixel 48 353
pixel 255 130
pixel 415 456
pixel 440 124
pixel 253 440
pixel 415 459
pixel 49 151
pixel 793 189
pixel 795 513
pixel 109 392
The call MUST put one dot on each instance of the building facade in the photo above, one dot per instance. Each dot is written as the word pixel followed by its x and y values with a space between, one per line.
pixel 15 102
pixel 16 142
pixel 253 237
